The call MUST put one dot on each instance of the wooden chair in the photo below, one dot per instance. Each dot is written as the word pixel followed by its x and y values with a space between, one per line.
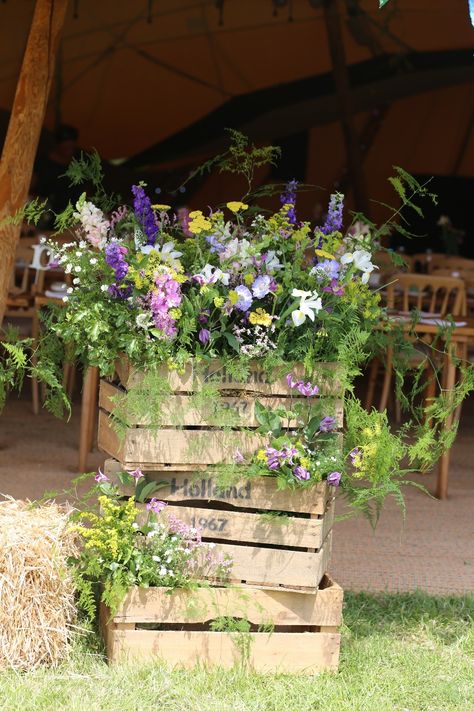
pixel 436 295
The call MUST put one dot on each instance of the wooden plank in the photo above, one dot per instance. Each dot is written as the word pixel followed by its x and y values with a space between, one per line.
pixel 270 566
pixel 181 446
pixel 327 377
pixel 285 652
pixel 157 605
pixel 254 493
pixel 224 525
pixel 181 410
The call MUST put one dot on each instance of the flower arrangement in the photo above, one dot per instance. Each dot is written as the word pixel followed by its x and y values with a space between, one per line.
pixel 238 284
pixel 123 545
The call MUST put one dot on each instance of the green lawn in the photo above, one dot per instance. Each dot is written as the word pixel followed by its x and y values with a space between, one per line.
pixel 399 653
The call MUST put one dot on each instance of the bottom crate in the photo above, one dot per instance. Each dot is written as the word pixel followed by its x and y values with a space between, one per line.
pixel 289 632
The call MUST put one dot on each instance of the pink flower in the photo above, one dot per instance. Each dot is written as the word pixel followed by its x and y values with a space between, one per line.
pixel 303 388
pixel 238 457
pixel 136 474
pixel 155 505
pixel 100 477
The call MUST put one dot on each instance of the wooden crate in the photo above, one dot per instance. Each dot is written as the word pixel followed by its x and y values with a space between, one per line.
pixel 188 433
pixel 291 550
pixel 304 636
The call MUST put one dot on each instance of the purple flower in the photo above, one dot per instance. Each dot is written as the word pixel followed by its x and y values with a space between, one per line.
pixel 333 221
pixel 114 256
pixel 156 505
pixel 245 298
pixel 334 478
pixel 289 198
pixel 354 454
pixel 327 424
pixel 136 474
pixel 238 457
pixel 122 291
pixel 261 286
pixel 301 473
pixel 276 457
pixel 204 335
pixel 303 388
pixel 167 296
pixel 100 477
pixel 214 244
pixel 144 213
pixel 334 288
pixel 326 269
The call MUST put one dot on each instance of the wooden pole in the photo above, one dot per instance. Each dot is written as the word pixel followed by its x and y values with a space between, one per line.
pixel 341 79
pixel 24 128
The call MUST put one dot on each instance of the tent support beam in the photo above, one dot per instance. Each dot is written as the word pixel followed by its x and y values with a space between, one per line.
pixel 24 128
pixel 341 80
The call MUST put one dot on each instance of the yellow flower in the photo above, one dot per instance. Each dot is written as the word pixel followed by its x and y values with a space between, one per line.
pixel 322 253
pixel 261 456
pixel 195 213
pixel 161 207
pixel 233 297
pixel 175 313
pixel 218 302
pixel 236 206
pixel 248 279
pixel 260 318
pixel 304 461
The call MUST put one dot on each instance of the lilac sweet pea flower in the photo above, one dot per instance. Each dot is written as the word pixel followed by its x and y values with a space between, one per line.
pixel 261 286
pixel 136 474
pixel 327 424
pixel 334 478
pixel 100 477
pixel 355 454
pixel 301 473
pixel 156 506
pixel 245 298
pixel 303 388
pixel 238 457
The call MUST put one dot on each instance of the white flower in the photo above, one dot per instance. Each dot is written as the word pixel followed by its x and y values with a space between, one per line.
pixel 65 298
pixel 68 268
pixel 77 269
pixel 167 253
pixel 104 287
pixel 93 260
pixel 69 290
pixel 144 320
pixel 210 275
pixel 76 280
pixel 361 261
pixel 156 558
pixel 134 524
pixel 310 304
pixel 163 570
pixel 272 262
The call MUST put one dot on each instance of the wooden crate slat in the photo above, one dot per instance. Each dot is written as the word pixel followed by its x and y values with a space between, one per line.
pixel 218 524
pixel 274 566
pixel 179 446
pixel 194 379
pixel 285 652
pixel 156 605
pixel 180 410
pixel 255 493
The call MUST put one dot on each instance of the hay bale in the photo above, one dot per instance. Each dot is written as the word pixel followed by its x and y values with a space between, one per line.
pixel 36 588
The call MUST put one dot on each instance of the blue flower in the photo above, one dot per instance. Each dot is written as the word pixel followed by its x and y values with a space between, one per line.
pixel 328 269
pixel 245 298
pixel 261 286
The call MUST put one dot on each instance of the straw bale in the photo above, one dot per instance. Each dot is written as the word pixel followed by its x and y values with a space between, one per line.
pixel 36 589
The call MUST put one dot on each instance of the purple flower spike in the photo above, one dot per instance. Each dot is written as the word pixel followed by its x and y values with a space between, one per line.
pixel 301 473
pixel 100 477
pixel 333 221
pixel 144 213
pixel 114 256
pixel 204 336
pixel 334 478
pixel 327 424
pixel 156 506
pixel 289 198
pixel 136 474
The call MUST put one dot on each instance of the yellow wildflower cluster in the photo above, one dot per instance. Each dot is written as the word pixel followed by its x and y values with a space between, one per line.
pixel 233 297
pixel 260 317
pixel 261 456
pixel 236 206
pixel 161 207
pixel 249 279
pixel 198 222
pixel 219 301
pixel 105 533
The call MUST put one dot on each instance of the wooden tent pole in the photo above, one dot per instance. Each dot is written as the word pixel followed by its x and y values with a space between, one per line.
pixel 341 79
pixel 24 128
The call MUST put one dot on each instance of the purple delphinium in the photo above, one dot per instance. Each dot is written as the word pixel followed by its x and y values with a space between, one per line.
pixel 144 213
pixel 245 298
pixel 204 335
pixel 333 222
pixel 120 292
pixel 334 478
pixel 301 473
pixel 289 198
pixel 114 256
pixel 327 424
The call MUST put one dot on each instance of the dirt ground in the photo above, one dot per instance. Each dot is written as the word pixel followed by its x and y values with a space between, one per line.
pixel 431 550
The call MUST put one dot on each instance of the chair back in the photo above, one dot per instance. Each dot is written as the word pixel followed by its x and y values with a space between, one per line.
pixel 440 295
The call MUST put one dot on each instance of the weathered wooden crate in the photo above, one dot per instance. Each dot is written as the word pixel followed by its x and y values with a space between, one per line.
pixel 188 433
pixel 291 550
pixel 304 636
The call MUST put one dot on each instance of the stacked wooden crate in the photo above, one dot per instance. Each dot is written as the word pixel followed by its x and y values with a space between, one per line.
pixel 279 540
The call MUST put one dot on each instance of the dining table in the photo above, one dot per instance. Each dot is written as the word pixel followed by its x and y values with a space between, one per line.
pixel 458 335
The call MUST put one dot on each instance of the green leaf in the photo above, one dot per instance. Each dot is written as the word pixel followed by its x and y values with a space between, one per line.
pixel 382 3
pixel 312 427
pixel 232 341
pixel 146 489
